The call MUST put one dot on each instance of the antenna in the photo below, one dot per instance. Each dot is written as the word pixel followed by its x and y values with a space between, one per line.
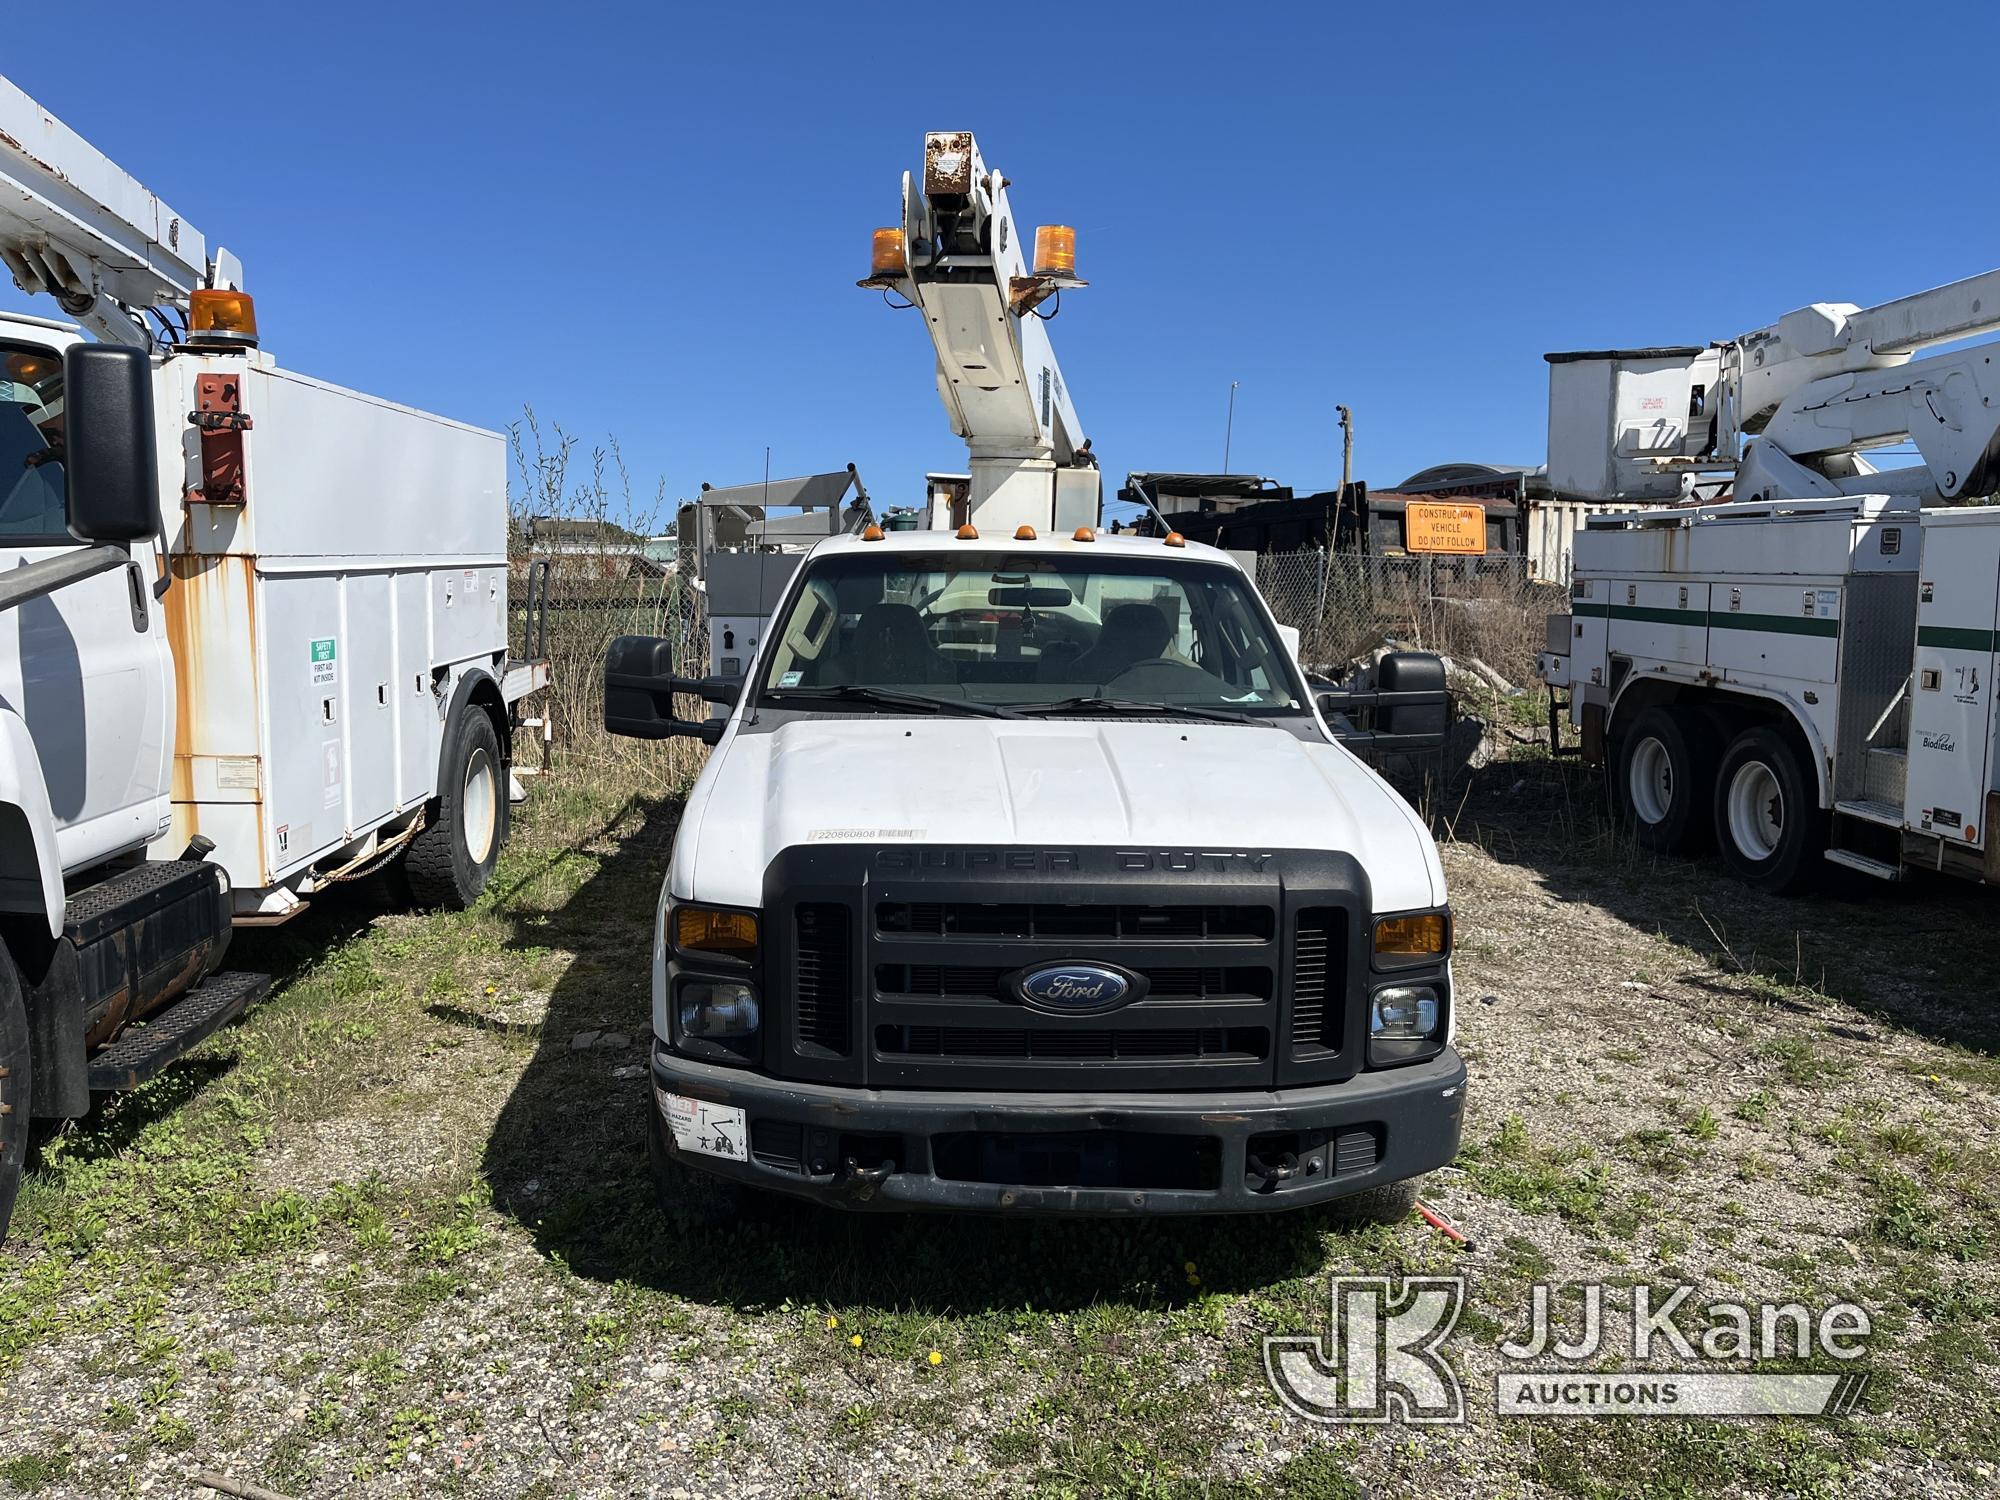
pixel 1229 427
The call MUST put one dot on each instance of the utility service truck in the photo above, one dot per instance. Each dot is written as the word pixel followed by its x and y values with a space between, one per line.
pixel 253 637
pixel 1796 661
pixel 1025 874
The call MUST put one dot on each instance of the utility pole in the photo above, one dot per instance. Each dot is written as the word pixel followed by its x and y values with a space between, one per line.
pixel 1346 446
pixel 1229 427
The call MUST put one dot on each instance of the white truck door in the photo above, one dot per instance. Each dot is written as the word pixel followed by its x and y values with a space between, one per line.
pixel 1958 609
pixel 90 686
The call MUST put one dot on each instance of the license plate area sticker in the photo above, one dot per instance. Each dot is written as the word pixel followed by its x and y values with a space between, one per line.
pixel 704 1128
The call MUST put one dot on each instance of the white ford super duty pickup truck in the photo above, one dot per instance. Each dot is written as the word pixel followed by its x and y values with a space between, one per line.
pixel 1028 875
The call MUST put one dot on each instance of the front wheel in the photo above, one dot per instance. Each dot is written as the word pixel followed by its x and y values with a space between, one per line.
pixel 1390 1203
pixel 16 1091
pixel 1768 821
pixel 449 863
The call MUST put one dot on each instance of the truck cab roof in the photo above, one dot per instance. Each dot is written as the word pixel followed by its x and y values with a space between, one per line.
pixel 1124 546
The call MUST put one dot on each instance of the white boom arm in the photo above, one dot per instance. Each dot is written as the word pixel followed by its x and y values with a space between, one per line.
pixel 964 265
pixel 1792 409
pixel 77 226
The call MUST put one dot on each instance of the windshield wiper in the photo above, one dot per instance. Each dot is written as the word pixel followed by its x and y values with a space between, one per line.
pixel 1089 704
pixel 854 692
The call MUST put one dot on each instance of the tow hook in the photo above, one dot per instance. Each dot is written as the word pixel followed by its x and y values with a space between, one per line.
pixel 1285 1167
pixel 862 1181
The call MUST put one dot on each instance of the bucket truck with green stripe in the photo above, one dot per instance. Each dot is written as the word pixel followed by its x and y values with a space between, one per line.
pixel 1786 650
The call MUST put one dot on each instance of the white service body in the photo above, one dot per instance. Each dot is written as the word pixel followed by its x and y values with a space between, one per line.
pixel 1867 623
pixel 287 695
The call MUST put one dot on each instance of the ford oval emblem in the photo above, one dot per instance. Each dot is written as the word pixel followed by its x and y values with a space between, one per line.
pixel 1077 988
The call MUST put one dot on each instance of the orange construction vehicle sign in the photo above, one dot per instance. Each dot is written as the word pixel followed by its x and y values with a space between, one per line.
pixel 1432 527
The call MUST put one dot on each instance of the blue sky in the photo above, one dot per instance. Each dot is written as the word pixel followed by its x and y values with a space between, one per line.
pixel 647 220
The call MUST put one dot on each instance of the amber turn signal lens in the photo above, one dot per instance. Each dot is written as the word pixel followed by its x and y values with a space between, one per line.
pixel 1424 934
pixel 703 930
pixel 213 310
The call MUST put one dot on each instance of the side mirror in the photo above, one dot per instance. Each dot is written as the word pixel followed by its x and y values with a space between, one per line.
pixel 1289 634
pixel 639 688
pixel 110 458
pixel 1407 711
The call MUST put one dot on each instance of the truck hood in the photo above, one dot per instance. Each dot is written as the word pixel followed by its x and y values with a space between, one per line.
pixel 1055 784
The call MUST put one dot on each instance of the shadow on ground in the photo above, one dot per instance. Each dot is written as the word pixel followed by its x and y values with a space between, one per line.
pixel 1922 955
pixel 567 1158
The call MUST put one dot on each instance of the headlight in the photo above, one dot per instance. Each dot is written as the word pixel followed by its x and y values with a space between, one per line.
pixel 713 1010
pixel 706 929
pixel 1412 939
pixel 1405 1022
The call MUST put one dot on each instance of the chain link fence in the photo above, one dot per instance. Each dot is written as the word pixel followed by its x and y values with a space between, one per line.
pixel 574 620
pixel 1474 609
pixel 1483 613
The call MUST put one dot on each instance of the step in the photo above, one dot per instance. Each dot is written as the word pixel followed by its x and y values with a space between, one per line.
pixel 1849 859
pixel 1884 775
pixel 142 1050
pixel 1888 814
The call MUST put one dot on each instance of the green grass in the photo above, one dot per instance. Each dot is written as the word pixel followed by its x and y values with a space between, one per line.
pixel 386 1143
pixel 1538 1178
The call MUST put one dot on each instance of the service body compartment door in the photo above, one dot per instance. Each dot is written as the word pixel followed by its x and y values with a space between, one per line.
pixel 1659 621
pixel 367 681
pixel 417 708
pixel 1762 630
pixel 308 659
pixel 1951 699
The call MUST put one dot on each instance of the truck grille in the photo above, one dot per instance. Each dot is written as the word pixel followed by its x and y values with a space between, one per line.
pixel 823 990
pixel 944 980
pixel 891 970
pixel 1051 1044
pixel 1115 924
pixel 1318 978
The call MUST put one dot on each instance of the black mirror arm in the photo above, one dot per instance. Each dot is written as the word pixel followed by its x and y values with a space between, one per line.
pixel 708 689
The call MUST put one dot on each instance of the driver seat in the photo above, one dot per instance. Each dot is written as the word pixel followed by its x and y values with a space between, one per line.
pixel 890 648
pixel 1132 633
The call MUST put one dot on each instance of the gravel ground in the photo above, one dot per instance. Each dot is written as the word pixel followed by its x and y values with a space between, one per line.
pixel 391 1236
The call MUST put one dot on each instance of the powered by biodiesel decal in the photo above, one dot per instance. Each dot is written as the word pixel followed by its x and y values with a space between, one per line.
pixel 325 670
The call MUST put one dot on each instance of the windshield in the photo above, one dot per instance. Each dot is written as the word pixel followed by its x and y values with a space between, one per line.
pixel 1030 632
pixel 31 445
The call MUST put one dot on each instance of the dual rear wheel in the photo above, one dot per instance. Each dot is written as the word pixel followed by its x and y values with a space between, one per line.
pixel 1683 788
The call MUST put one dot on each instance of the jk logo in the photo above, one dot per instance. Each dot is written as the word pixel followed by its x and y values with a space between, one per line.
pixel 1379 1360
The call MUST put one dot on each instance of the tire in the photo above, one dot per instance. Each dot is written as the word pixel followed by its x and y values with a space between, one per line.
pixel 1390 1203
pixel 16 1088
pixel 1768 821
pixel 691 1199
pixel 1666 762
pixel 449 863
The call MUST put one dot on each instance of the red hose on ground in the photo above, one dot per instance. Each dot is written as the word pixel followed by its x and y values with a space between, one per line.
pixel 1441 1224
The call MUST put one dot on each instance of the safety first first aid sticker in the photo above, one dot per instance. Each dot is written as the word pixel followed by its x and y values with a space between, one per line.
pixel 704 1128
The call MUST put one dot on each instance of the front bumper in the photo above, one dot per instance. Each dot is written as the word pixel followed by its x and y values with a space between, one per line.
pixel 1242 1151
